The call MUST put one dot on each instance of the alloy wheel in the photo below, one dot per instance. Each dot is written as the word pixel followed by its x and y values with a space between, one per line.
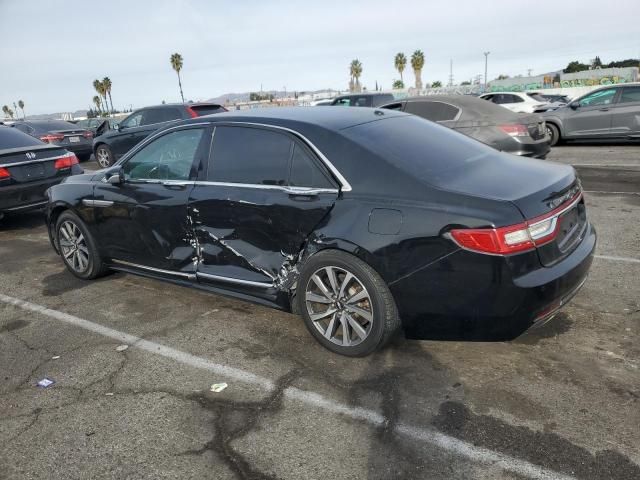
pixel 74 246
pixel 103 158
pixel 550 134
pixel 339 306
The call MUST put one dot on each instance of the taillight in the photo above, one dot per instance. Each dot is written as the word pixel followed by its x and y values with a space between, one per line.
pixel 87 134
pixel 66 161
pixel 52 137
pixel 515 130
pixel 192 112
pixel 4 173
pixel 514 238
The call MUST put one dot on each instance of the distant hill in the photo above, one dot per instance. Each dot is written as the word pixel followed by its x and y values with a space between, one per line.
pixel 58 115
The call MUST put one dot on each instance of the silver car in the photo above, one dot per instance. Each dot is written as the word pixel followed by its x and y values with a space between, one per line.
pixel 608 113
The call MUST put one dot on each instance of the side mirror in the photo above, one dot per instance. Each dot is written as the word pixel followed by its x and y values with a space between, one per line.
pixel 574 105
pixel 115 177
pixel 117 127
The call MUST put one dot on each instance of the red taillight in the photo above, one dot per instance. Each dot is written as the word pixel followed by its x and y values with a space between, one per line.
pixel 192 112
pixel 514 238
pixel 52 137
pixel 4 173
pixel 87 134
pixel 515 130
pixel 66 162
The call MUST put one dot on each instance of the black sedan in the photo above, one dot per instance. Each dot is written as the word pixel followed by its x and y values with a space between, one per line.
pixel 361 220
pixel 58 132
pixel 27 168
pixel 507 131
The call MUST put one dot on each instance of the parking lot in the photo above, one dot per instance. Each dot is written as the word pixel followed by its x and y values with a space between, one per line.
pixel 560 401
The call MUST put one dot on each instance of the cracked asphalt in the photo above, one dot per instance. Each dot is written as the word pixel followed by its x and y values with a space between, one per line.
pixel 564 396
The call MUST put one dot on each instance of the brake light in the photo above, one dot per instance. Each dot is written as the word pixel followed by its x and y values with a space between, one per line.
pixel 515 130
pixel 192 112
pixel 66 161
pixel 4 173
pixel 514 238
pixel 87 134
pixel 52 137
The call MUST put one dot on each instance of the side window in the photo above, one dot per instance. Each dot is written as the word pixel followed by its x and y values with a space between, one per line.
pixel 393 106
pixel 133 120
pixel 305 172
pixel 498 98
pixel 630 94
pixel 602 97
pixel 343 102
pixel 250 155
pixel 434 111
pixel 24 128
pixel 362 102
pixel 168 157
pixel 160 115
pixel 514 99
pixel 489 98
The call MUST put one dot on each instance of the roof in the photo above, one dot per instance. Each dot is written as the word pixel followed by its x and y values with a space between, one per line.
pixel 331 118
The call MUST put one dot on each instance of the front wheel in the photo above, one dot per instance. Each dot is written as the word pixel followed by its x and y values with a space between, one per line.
pixel 77 247
pixel 554 134
pixel 345 304
pixel 104 156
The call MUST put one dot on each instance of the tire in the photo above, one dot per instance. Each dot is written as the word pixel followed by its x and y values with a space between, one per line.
pixel 104 156
pixel 374 310
pixel 83 157
pixel 77 247
pixel 554 134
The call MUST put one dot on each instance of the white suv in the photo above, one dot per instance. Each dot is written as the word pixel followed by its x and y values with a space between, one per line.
pixel 518 101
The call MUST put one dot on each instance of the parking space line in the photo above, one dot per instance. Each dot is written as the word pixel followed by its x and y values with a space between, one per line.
pixel 611 193
pixel 618 259
pixel 620 165
pixel 424 434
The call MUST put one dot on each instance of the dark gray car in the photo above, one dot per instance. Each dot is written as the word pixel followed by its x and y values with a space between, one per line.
pixel 516 133
pixel 58 132
pixel 608 113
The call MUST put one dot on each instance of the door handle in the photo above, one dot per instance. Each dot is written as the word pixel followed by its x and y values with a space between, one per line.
pixel 301 191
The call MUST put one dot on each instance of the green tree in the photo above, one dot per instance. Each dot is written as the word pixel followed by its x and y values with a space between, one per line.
pixel 176 64
pixel 106 84
pixel 436 84
pixel 466 82
pixel 596 62
pixel 21 105
pixel 400 63
pixel 355 71
pixel 502 76
pixel 576 66
pixel 398 84
pixel 417 63
pixel 6 110
pixel 100 89
pixel 98 103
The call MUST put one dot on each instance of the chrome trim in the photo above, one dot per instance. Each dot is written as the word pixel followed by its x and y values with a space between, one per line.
pixel 26 162
pixel 22 207
pixel 286 189
pixel 97 203
pixel 234 280
pixel 189 276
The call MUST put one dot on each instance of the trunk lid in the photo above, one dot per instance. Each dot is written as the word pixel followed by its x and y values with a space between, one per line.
pixel 30 164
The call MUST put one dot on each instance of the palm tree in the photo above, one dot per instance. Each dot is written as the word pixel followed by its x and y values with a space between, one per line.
pixel 97 102
pixel 436 84
pixel 106 83
pixel 5 110
pixel 417 63
pixel 99 88
pixel 355 69
pixel 176 64
pixel 400 63
pixel 21 105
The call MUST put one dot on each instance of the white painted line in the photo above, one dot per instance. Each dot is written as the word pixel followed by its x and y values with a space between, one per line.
pixel 621 165
pixel 312 399
pixel 618 259
pixel 611 193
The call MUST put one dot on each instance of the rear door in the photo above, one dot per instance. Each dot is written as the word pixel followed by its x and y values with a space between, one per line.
pixel 593 116
pixel 625 113
pixel 265 192
pixel 143 221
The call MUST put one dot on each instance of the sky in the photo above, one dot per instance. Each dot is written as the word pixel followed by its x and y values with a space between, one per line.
pixel 52 50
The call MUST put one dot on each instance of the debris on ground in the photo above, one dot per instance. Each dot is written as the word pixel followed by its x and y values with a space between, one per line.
pixel 109 394
pixel 218 387
pixel 121 348
pixel 45 382
pixel 55 357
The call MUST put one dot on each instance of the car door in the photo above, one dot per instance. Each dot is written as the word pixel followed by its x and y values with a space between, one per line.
pixel 143 220
pixel 125 137
pixel 590 116
pixel 625 113
pixel 265 192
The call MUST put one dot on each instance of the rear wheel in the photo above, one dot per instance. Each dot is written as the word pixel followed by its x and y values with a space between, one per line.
pixel 345 304
pixel 554 134
pixel 77 247
pixel 104 156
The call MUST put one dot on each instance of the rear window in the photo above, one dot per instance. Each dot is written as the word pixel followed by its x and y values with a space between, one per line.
pixel 54 125
pixel 430 152
pixel 207 109
pixel 434 111
pixel 12 138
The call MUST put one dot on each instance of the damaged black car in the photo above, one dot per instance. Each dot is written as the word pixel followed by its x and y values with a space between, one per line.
pixel 363 221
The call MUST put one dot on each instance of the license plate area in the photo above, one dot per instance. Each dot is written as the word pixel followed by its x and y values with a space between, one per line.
pixel 34 171
pixel 74 139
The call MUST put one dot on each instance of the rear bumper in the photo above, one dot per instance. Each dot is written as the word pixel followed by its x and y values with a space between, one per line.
pixel 533 148
pixel 482 297
pixel 27 196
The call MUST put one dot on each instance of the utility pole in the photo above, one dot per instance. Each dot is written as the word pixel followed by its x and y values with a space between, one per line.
pixel 451 72
pixel 529 70
pixel 486 57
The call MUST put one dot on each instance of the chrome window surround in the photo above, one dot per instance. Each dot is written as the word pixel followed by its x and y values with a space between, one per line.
pixel 344 184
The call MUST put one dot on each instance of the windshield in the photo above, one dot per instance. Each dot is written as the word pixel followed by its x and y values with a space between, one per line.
pixel 537 97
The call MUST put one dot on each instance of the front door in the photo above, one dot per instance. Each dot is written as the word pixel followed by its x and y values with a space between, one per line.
pixel 265 192
pixel 593 115
pixel 144 221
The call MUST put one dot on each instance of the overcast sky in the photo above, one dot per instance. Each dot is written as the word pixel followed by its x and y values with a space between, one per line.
pixel 51 51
